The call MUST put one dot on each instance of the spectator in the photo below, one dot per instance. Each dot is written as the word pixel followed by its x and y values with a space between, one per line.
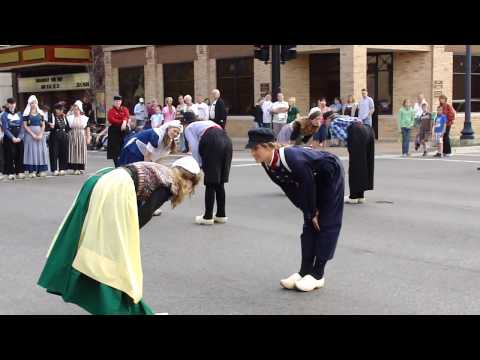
pixel 157 119
pixel 439 130
pixel 191 110
pixel 258 113
pixel 2 157
pixel 321 135
pixel 280 114
pixel 293 112
pixel 449 112
pixel 350 107
pixel 405 119
pixel 336 106
pixel 35 149
pixel 169 110
pixel 78 139
pixel 417 107
pixel 13 146
pixel 88 108
pixel 151 107
pixel 202 108
pixel 218 110
pixel 118 117
pixel 180 108
pixel 366 108
pixel 140 114
pixel 425 127
pixel 267 111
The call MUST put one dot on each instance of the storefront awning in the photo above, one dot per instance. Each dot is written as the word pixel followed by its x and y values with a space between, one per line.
pixel 21 57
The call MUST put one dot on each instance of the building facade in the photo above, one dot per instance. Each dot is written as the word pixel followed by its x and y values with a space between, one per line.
pixel 52 73
pixel 391 73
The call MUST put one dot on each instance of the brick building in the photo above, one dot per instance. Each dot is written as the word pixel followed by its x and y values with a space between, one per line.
pixel 390 72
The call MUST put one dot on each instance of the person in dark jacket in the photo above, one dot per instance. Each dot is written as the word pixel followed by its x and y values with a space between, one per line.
pixel 218 111
pixel 313 181
pixel 360 140
pixel 13 145
pixel 58 140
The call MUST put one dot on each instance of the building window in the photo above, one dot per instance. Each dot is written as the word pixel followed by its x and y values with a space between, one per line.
pixel 178 80
pixel 131 83
pixel 380 82
pixel 324 77
pixel 459 83
pixel 235 82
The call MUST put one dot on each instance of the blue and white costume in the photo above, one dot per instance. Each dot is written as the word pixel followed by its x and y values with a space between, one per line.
pixel 147 141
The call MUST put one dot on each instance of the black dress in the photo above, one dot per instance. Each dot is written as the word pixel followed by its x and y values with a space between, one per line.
pixel 361 150
pixel 216 150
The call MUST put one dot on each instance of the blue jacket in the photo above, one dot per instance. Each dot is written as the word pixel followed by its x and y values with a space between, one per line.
pixel 314 182
pixel 9 121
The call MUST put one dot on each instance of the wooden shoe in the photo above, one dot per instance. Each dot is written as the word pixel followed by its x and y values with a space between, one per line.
pixel 157 212
pixel 309 283
pixel 201 221
pixel 289 283
pixel 347 200
pixel 220 220
pixel 56 173
pixel 62 173
pixel 361 200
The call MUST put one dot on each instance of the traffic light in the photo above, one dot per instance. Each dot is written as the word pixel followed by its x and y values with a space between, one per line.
pixel 288 52
pixel 262 52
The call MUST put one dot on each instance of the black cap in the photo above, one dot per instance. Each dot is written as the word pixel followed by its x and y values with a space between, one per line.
pixel 117 97
pixel 59 106
pixel 259 136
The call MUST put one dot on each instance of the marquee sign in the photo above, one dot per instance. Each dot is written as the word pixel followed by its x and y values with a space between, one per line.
pixel 78 81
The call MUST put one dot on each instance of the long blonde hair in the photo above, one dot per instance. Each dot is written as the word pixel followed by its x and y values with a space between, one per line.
pixel 180 178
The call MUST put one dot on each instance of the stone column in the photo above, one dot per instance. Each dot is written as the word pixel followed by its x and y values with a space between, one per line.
pixel 212 75
pixel 159 84
pixel 201 73
pixel 262 74
pixel 353 70
pixel 442 74
pixel 109 82
pixel 150 70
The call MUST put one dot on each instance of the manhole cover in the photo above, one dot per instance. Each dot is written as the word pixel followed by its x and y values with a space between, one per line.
pixel 384 202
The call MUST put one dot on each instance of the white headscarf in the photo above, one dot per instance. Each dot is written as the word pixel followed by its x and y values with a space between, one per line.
pixel 160 151
pixel 32 99
pixel 79 104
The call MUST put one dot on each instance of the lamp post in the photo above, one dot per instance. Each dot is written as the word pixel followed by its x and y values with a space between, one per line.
pixel 275 71
pixel 467 132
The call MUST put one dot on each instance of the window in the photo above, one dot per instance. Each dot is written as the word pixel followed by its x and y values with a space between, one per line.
pixel 178 80
pixel 380 82
pixel 324 77
pixel 459 83
pixel 235 82
pixel 132 85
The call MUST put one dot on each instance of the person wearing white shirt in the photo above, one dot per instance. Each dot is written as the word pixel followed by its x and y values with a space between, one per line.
pixel 280 114
pixel 157 118
pixel 267 111
pixel 213 150
pixel 418 106
pixel 202 109
pixel 366 108
pixel 190 107
pixel 139 112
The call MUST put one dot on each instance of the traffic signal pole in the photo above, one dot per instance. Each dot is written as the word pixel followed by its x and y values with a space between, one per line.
pixel 275 71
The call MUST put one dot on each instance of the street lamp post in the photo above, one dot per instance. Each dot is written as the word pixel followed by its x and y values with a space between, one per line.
pixel 275 71
pixel 467 132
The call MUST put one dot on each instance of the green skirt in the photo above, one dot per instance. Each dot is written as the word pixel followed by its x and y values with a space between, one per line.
pixel 60 278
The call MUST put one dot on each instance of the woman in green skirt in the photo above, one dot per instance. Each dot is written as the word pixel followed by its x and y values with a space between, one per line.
pixel 94 260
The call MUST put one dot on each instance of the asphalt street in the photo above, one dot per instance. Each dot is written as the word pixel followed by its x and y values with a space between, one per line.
pixel 413 248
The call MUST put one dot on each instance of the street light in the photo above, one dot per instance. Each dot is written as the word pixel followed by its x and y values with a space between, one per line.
pixel 467 132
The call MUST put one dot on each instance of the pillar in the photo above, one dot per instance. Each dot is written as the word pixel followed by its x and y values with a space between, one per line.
pixel 353 70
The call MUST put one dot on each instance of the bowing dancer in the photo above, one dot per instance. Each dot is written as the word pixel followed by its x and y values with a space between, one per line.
pixel 212 148
pixel 360 141
pixel 35 155
pixel 78 139
pixel 58 140
pixel 118 118
pixel 12 127
pixel 94 260
pixel 301 130
pixel 313 180
pixel 151 144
